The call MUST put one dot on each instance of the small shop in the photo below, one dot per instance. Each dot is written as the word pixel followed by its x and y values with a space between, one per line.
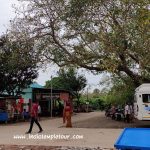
pixel 11 108
pixel 51 100
pixel 7 107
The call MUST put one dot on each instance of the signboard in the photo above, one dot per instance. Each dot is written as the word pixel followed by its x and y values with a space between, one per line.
pixel 49 96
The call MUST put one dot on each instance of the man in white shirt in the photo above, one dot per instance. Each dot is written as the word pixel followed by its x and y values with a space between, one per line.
pixel 128 112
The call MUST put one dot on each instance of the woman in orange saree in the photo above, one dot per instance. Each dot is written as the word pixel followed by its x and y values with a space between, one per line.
pixel 67 115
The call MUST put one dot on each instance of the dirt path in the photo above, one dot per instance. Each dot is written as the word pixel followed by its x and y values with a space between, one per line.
pixel 31 147
pixel 92 138
pixel 98 120
pixel 98 133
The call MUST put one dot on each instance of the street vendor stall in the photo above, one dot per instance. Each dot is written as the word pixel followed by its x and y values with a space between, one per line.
pixel 7 107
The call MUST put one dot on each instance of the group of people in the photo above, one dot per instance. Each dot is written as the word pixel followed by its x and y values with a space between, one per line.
pixel 118 113
pixel 129 113
pixel 67 113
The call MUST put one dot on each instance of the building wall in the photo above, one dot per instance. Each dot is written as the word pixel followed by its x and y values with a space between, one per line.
pixel 27 94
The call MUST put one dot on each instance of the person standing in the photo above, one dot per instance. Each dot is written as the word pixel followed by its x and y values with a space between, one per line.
pixel 127 113
pixel 39 112
pixel 113 111
pixel 67 113
pixel 131 112
pixel 34 118
pixel 24 115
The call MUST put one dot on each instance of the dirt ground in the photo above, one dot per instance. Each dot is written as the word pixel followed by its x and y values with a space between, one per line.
pixel 31 147
pixel 100 121
pixel 17 147
pixel 99 133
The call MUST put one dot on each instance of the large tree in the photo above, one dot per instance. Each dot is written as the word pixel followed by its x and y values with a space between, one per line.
pixel 68 79
pixel 55 83
pixel 100 35
pixel 18 65
pixel 121 91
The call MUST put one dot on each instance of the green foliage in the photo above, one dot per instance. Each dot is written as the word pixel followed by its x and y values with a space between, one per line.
pixel 68 80
pixel 121 92
pixel 72 80
pixel 98 103
pixel 18 65
pixel 96 91
pixel 55 82
pixel 100 35
pixel 96 100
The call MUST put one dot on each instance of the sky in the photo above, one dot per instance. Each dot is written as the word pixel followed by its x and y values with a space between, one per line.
pixel 6 14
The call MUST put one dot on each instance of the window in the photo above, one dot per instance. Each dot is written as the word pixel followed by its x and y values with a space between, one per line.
pixel 146 98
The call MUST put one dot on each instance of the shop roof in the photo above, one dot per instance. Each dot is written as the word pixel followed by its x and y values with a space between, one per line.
pixel 35 85
pixel 53 90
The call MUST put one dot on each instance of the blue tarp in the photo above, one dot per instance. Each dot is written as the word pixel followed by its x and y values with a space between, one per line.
pixel 134 139
pixel 3 116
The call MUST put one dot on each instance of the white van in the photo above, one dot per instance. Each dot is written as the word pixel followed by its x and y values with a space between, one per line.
pixel 142 102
